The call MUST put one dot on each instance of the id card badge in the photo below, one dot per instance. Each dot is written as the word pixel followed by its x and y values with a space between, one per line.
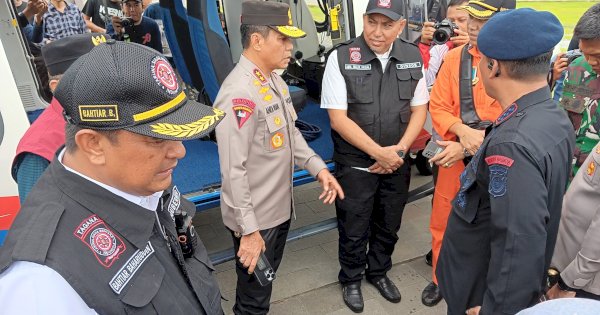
pixel 263 271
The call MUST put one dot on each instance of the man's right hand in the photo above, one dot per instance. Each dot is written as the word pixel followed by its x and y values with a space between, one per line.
pixel 471 139
pixel 427 33
pixel 388 158
pixel 116 22
pixel 460 38
pixel 251 246
pixel 560 65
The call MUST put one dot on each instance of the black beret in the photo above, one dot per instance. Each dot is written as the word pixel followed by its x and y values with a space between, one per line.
pixel 519 34
pixel 60 54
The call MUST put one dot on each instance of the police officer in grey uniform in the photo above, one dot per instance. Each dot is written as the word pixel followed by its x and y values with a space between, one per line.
pixel 376 96
pixel 259 146
pixel 104 231
pixel 577 250
pixel 502 229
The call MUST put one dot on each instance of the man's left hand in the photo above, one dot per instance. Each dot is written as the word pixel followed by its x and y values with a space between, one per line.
pixel 453 152
pixel 331 187
pixel 556 293
pixel 473 310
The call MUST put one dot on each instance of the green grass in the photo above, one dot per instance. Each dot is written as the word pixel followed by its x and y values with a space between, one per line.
pixel 568 12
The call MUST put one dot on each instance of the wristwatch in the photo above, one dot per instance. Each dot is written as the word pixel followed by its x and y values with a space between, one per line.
pixel 563 286
pixel 401 154
pixel 466 153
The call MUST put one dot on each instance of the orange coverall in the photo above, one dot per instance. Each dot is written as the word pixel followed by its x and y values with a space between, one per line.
pixel 444 107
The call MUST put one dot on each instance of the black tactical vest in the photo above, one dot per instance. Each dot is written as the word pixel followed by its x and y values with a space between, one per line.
pixel 111 251
pixel 378 102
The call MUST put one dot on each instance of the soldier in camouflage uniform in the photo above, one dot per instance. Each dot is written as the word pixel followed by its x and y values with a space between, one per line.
pixel 582 86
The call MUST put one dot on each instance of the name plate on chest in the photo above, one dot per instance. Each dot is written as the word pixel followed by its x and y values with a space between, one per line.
pixel 357 67
pixel 410 65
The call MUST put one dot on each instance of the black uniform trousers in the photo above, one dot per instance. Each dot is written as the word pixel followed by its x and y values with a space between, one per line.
pixel 370 214
pixel 466 244
pixel 250 297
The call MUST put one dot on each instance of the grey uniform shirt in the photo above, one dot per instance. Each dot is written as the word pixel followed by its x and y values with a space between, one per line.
pixel 577 251
pixel 258 148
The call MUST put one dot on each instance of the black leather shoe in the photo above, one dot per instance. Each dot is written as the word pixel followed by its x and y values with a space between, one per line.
pixel 429 258
pixel 431 295
pixel 387 289
pixel 353 297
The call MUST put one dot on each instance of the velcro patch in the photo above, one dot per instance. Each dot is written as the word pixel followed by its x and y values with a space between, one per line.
pixel 355 55
pixel 499 159
pixel 349 66
pixel 410 65
pixel 128 270
pixel 104 243
pixel 243 109
pixel 98 112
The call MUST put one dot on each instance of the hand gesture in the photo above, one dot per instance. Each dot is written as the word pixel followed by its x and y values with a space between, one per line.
pixel 460 38
pixel 331 187
pixel 251 246
pixel 427 33
pixel 471 139
pixel 453 152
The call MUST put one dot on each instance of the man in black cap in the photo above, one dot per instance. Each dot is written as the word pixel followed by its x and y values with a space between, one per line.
pixel 505 217
pixel 134 27
pixel 104 231
pixel 376 97
pixel 259 147
pixel 46 135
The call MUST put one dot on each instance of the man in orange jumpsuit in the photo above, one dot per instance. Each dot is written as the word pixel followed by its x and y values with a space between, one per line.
pixel 459 109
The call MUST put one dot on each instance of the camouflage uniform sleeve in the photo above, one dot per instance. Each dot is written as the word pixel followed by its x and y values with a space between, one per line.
pixel 235 135
pixel 518 201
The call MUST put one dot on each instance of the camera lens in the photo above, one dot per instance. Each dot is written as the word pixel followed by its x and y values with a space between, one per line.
pixel 442 35
pixel 126 22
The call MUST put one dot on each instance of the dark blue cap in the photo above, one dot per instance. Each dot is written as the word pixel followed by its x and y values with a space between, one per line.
pixel 519 34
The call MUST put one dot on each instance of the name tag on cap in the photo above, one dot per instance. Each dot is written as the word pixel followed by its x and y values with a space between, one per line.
pixel 410 65
pixel 357 67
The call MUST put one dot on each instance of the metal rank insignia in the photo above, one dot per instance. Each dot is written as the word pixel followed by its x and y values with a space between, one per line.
pixel 277 120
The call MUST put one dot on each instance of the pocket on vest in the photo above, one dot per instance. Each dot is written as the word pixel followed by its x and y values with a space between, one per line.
pixel 407 82
pixel 360 88
pixel 365 121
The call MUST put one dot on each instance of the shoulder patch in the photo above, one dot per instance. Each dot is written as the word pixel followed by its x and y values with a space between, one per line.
pixel 102 241
pixel 498 179
pixel 242 109
pixel 499 159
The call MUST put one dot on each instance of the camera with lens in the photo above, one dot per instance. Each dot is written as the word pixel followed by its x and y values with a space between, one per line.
pixel 127 22
pixel 444 30
pixel 572 55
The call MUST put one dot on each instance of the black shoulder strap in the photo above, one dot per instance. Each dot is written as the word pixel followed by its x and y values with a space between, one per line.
pixel 465 86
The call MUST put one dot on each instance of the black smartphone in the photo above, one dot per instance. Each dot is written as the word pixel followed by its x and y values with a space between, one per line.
pixel 263 271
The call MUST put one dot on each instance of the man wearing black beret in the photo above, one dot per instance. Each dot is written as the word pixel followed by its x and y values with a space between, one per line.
pixel 505 217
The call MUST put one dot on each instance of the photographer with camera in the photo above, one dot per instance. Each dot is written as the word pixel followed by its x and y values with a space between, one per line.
pixel 581 86
pixel 446 35
pixel 136 28
pixel 458 104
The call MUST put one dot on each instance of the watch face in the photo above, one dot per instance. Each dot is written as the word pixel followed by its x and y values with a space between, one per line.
pixel 401 154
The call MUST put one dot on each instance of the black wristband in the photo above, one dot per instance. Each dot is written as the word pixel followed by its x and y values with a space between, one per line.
pixel 563 286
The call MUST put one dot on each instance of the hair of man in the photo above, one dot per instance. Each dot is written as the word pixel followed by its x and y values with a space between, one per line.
pixel 71 131
pixel 588 26
pixel 247 30
pixel 453 3
pixel 524 69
